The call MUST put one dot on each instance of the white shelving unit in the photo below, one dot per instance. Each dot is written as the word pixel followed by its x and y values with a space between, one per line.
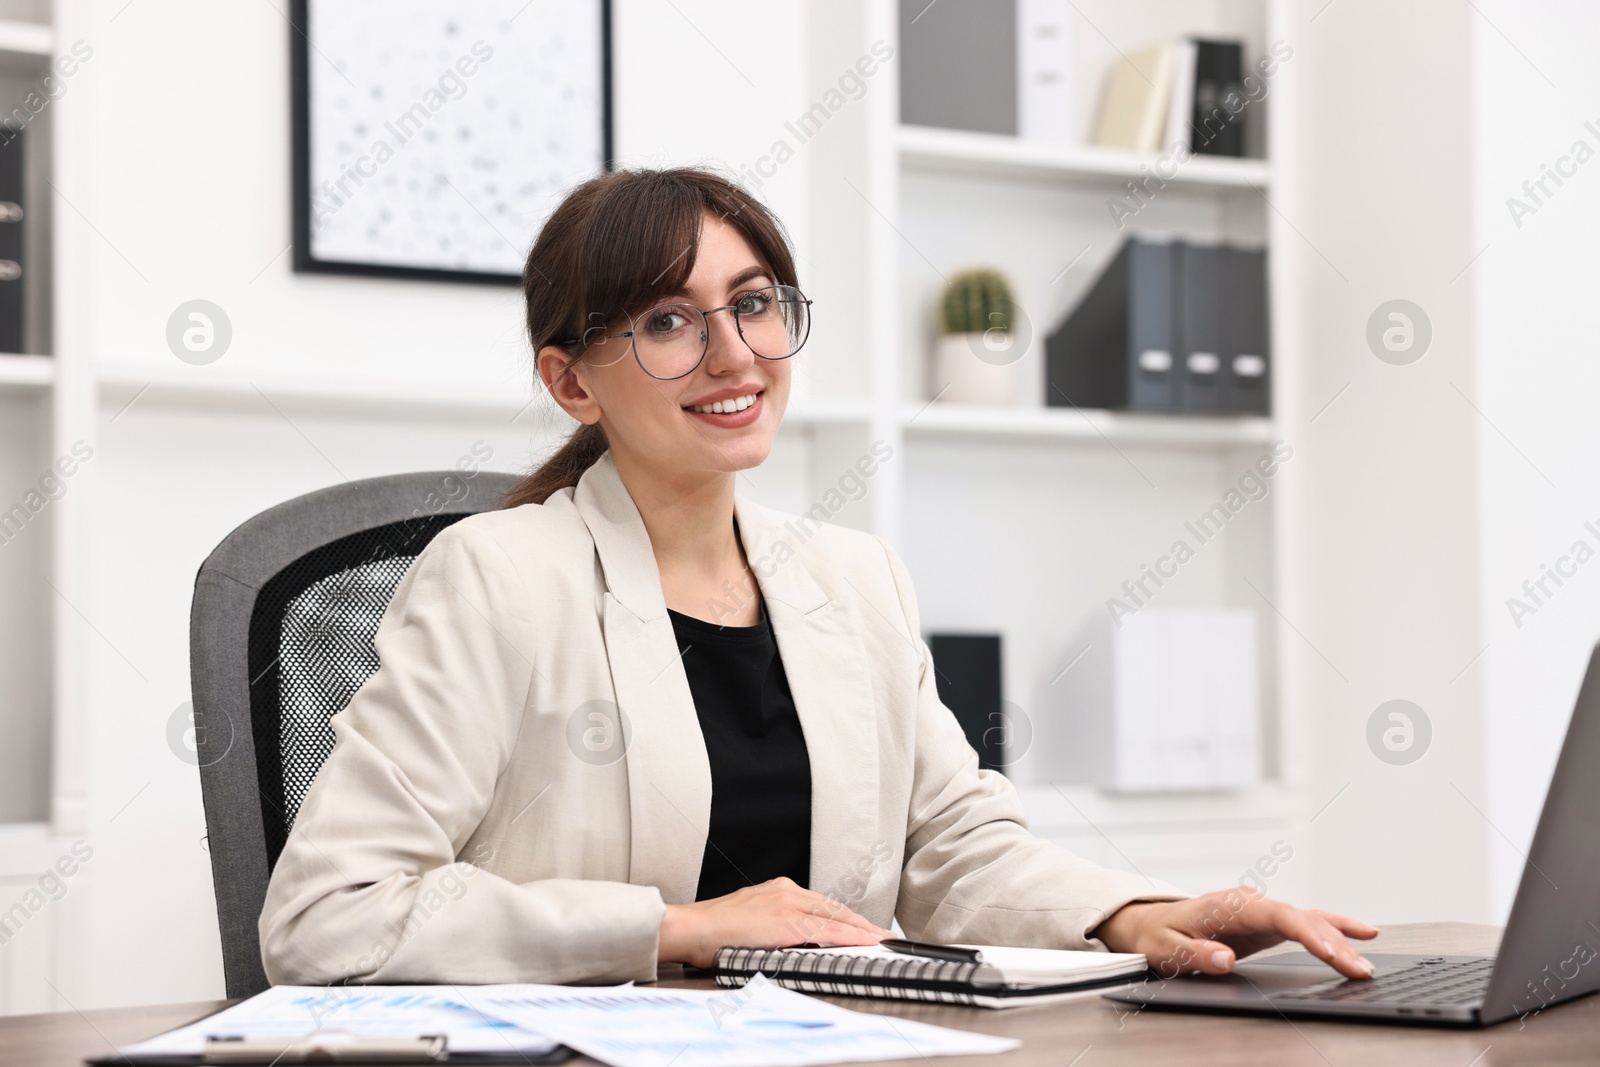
pixel 1066 425
pixel 1023 520
pixel 997 156
pixel 28 396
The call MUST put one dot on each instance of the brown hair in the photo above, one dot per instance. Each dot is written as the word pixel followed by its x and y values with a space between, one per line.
pixel 618 244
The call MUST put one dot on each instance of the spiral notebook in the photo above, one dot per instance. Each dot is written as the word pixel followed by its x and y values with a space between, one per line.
pixel 1003 977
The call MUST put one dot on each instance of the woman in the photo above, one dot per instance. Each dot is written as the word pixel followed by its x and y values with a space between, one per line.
pixel 634 716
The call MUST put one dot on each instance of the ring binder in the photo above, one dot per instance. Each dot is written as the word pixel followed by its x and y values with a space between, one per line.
pixel 905 978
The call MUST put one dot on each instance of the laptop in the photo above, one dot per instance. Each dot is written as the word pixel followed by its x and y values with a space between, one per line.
pixel 1550 951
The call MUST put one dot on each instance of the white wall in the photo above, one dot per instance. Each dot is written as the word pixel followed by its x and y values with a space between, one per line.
pixel 1378 576
pixel 1535 86
pixel 1431 492
pixel 206 87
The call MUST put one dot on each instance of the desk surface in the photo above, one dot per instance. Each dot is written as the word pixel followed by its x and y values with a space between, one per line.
pixel 1088 1033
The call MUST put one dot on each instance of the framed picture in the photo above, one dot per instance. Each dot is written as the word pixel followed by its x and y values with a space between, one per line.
pixel 431 138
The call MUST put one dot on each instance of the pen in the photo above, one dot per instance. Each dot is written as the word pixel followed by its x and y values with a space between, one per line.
pixel 938 952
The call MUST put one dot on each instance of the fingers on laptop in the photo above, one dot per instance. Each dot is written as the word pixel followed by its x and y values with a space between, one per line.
pixel 1325 940
pixel 1211 957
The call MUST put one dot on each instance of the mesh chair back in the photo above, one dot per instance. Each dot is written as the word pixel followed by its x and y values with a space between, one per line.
pixel 281 637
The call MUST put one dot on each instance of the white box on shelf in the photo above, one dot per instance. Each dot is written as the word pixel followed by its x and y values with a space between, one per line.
pixel 1166 701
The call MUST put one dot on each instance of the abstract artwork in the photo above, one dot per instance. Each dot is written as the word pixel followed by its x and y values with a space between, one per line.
pixel 432 139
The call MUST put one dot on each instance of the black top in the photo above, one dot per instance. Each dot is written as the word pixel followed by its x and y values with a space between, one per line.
pixel 760 770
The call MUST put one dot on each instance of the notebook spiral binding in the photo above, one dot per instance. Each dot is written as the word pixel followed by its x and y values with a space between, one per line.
pixel 902 978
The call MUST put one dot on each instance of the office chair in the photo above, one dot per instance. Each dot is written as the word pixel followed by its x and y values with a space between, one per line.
pixel 280 638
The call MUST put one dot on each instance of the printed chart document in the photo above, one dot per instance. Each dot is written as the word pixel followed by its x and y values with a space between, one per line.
pixel 758 1025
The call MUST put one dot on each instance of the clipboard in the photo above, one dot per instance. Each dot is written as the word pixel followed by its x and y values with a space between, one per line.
pixel 331 1044
pixel 325 1048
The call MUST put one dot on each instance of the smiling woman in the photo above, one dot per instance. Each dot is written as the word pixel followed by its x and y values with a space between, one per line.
pixel 636 783
pixel 627 243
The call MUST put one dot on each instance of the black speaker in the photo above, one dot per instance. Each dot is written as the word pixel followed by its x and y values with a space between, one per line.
pixel 967 669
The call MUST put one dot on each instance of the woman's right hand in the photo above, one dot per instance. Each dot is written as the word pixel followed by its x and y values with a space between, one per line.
pixel 775 914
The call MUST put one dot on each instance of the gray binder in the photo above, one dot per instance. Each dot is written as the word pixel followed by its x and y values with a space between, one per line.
pixel 1201 312
pixel 958 64
pixel 1247 360
pixel 1117 349
pixel 13 283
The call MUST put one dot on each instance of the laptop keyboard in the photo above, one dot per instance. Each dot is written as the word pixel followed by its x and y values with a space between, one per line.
pixel 1462 982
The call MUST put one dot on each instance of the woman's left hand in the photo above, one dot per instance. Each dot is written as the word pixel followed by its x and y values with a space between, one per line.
pixel 1208 933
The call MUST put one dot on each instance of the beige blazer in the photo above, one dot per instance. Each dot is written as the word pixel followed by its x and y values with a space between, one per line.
pixel 479 819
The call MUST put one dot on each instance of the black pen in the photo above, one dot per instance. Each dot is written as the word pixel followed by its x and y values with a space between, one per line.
pixel 938 952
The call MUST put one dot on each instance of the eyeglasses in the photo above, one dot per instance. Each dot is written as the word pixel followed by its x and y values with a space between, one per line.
pixel 671 340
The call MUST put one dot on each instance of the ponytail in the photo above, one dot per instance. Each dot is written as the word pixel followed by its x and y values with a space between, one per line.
pixel 563 469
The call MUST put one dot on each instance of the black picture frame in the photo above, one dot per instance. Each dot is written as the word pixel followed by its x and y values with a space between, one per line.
pixel 302 259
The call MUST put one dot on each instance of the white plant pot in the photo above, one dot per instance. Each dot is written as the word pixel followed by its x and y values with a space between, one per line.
pixel 974 368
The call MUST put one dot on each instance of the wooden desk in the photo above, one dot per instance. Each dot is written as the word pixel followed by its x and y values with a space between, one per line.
pixel 1087 1033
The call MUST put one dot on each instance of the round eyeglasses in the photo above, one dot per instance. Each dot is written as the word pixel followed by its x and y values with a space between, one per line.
pixel 671 340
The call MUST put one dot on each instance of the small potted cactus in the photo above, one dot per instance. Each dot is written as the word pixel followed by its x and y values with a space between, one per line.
pixel 978 355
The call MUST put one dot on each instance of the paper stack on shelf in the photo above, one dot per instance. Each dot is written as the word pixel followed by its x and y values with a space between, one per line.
pixel 1137 100
pixel 1185 94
